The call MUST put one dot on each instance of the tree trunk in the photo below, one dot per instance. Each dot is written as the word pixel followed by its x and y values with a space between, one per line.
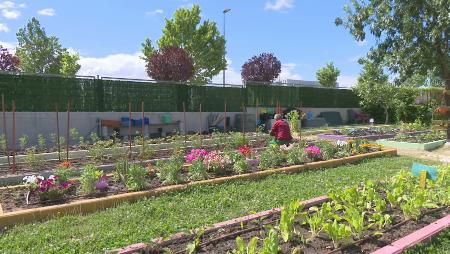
pixel 386 113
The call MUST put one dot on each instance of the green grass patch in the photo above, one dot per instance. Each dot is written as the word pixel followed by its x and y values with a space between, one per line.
pixel 188 209
pixel 438 245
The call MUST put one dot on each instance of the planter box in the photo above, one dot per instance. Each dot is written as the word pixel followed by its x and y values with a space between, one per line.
pixel 97 204
pixel 416 146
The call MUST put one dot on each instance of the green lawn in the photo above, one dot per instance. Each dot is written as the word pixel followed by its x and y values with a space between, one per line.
pixel 184 210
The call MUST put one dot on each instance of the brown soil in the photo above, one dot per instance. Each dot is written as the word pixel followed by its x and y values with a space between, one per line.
pixel 223 240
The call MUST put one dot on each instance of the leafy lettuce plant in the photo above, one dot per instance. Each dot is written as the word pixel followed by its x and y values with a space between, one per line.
pixel 287 220
pixel 315 223
pixel 241 248
pixel 169 171
pixel 136 177
pixel 355 219
pixel 337 232
pixel 270 243
pixel 89 178
pixel 198 170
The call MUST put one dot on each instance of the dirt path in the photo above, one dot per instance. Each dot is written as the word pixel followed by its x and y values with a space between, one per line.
pixel 442 154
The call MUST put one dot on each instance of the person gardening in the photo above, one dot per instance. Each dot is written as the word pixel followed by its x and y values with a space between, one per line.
pixel 280 131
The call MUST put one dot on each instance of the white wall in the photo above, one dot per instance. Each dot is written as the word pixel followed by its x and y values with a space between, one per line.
pixel 34 123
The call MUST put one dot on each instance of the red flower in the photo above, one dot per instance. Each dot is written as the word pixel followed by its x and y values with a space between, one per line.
pixel 245 150
pixel 65 164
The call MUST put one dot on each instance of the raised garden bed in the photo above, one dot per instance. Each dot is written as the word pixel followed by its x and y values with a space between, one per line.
pixel 370 218
pixel 366 134
pixel 416 146
pixel 83 204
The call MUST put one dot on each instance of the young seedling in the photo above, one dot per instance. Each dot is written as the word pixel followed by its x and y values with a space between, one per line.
pixel 42 144
pixel 287 220
pixel 23 142
pixel 337 232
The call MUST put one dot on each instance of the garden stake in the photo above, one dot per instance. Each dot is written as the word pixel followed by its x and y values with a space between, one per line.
pixel 68 131
pixel 142 130
pixel 185 124
pixel 57 132
pixel 225 117
pixel 14 136
pixel 129 129
pixel 201 127
pixel 4 130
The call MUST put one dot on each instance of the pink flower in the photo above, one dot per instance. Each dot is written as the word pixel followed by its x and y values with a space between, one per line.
pixel 196 154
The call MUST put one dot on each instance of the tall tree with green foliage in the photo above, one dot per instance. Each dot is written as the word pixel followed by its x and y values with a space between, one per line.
pixel 202 41
pixel 69 64
pixel 328 75
pixel 37 52
pixel 374 89
pixel 412 37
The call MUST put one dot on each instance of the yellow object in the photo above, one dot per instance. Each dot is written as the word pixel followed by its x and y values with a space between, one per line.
pixel 423 178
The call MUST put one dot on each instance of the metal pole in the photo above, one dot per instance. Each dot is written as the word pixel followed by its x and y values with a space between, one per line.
pixel 142 130
pixel 185 123
pixel 14 136
pixel 225 52
pixel 256 116
pixel 300 120
pixel 243 119
pixel 129 129
pixel 225 117
pixel 5 131
pixel 57 132
pixel 201 125
pixel 68 131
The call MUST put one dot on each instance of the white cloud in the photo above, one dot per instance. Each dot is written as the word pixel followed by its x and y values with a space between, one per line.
pixel 7 5
pixel 279 5
pixel 288 72
pixel 47 12
pixel 155 12
pixel 22 5
pixel 4 28
pixel 10 14
pixel 347 81
pixel 116 65
pixel 362 43
pixel 232 76
pixel 9 45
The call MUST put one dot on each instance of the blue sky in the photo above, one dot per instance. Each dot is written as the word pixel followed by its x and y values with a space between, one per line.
pixel 108 33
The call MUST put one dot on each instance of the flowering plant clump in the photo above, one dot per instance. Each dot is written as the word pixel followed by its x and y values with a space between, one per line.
pixel 215 162
pixel 196 154
pixel 48 189
pixel 313 152
pixel 65 164
pixel 245 150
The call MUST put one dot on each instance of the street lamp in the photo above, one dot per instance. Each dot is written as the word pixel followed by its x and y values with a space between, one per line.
pixel 224 12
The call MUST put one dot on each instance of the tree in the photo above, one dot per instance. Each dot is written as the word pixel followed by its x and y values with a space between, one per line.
pixel 328 75
pixel 374 89
pixel 8 61
pixel 170 63
pixel 69 65
pixel 412 37
pixel 202 41
pixel 37 52
pixel 263 68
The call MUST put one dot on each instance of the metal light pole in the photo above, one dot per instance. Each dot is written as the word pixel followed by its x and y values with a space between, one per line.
pixel 224 12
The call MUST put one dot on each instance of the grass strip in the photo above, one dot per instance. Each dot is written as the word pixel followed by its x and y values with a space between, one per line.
pixel 187 209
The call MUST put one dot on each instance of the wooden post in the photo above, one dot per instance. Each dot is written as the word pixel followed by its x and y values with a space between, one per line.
pixel 129 129
pixel 142 130
pixel 201 126
pixel 225 117
pixel 68 131
pixel 185 122
pixel 14 136
pixel 423 178
pixel 5 131
pixel 57 132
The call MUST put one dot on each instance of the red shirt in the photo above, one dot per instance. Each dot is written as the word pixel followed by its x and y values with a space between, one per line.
pixel 281 131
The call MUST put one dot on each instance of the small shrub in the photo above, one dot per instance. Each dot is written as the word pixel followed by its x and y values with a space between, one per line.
pixel 64 171
pixel 89 178
pixel 32 159
pixel 23 142
pixel 271 157
pixel 238 139
pixel 198 170
pixel 240 166
pixel 296 155
pixel 94 137
pixel 136 177
pixel 293 118
pixel 327 149
pixel 74 135
pixel 42 144
pixel 98 150
pixel 197 141
pixel 169 171
pixel 121 170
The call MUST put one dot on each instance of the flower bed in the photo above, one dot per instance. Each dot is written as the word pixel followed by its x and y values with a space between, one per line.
pixel 130 179
pixel 101 155
pixel 426 141
pixel 360 219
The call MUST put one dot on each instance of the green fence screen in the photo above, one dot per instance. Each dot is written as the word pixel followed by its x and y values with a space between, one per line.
pixel 40 93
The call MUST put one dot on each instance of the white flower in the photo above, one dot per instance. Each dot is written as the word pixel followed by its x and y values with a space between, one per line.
pixel 341 143
pixel 52 177
pixel 31 179
pixel 285 147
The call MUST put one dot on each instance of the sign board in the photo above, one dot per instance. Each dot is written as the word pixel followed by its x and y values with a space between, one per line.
pixel 432 172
